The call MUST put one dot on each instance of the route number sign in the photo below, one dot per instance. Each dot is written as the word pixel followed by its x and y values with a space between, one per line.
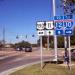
pixel 45 28
pixel 49 25
pixel 63 25
pixel 40 25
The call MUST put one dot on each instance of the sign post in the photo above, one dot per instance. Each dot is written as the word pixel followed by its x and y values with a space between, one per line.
pixel 69 53
pixel 41 52
pixel 40 30
pixel 55 37
pixel 44 28
pixel 49 31
pixel 48 42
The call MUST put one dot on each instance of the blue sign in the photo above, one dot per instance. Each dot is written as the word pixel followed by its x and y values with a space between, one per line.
pixel 59 32
pixel 58 17
pixel 68 24
pixel 68 32
pixel 68 17
pixel 64 27
pixel 59 25
pixel 63 17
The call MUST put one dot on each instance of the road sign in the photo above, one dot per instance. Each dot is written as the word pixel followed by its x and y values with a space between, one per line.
pixel 58 25
pixel 68 24
pixel 40 25
pixel 49 25
pixel 50 32
pixel 64 27
pixel 59 32
pixel 63 17
pixel 68 17
pixel 68 32
pixel 41 32
pixel 58 17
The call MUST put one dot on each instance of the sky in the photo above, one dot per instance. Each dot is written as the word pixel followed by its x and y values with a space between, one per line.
pixel 19 18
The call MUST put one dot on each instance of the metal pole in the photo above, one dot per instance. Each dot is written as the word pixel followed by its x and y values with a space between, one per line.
pixel 69 53
pixel 41 51
pixel 65 42
pixel 55 37
pixel 48 42
pixel 4 36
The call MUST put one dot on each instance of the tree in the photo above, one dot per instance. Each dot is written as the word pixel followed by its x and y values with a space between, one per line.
pixel 68 6
pixel 60 41
pixel 44 41
pixel 1 45
pixel 22 44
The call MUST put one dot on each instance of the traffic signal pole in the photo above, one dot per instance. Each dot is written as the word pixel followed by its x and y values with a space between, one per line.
pixel 55 37
pixel 4 36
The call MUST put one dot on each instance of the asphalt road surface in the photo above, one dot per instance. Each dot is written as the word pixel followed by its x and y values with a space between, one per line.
pixel 21 59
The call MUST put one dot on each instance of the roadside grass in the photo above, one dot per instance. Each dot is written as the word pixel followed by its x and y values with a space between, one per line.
pixel 49 69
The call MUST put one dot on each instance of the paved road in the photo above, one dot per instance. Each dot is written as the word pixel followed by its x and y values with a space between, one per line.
pixel 13 62
pixel 22 58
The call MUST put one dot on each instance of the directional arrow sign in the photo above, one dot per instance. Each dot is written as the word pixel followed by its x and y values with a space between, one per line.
pixel 68 32
pixel 41 32
pixel 50 32
pixel 59 32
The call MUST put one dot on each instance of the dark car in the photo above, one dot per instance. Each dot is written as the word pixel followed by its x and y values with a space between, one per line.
pixel 28 49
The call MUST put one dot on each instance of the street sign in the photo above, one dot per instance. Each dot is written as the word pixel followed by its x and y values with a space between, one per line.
pixel 49 25
pixel 58 17
pixel 68 17
pixel 50 32
pixel 68 24
pixel 58 25
pixel 68 32
pixel 41 32
pixel 45 28
pixel 63 17
pixel 63 25
pixel 59 32
pixel 40 25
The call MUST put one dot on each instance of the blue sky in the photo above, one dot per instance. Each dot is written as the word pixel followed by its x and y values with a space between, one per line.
pixel 19 17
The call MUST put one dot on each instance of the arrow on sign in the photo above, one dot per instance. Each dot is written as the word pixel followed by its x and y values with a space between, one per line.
pixel 49 32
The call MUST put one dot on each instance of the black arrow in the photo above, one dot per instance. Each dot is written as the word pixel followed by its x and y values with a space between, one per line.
pixel 49 32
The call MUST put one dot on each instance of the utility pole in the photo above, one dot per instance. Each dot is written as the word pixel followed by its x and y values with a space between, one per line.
pixel 55 37
pixel 4 36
